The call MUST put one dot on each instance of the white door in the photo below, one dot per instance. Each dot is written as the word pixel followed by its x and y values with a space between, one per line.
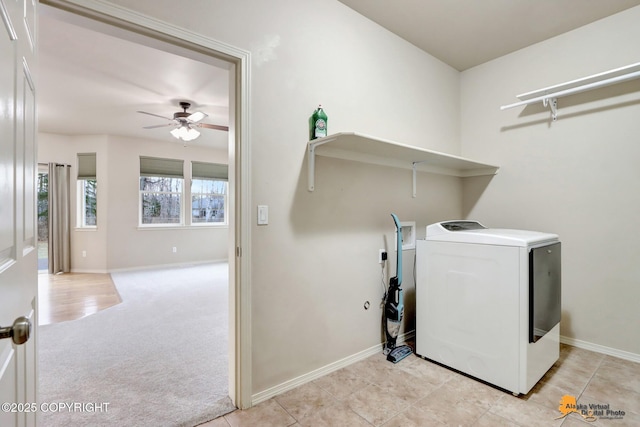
pixel 18 240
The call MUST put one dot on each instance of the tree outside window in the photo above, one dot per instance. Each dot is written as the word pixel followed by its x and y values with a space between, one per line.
pixel 209 193
pixel 208 201
pixel 161 191
pixel 165 199
pixel 161 199
pixel 89 202
pixel 87 211
pixel 43 206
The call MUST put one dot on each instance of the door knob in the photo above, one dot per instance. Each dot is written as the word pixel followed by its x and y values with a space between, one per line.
pixel 18 332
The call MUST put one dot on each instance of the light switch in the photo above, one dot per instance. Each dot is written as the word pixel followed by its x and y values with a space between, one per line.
pixel 263 214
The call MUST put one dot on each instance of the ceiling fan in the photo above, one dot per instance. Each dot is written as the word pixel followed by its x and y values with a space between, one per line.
pixel 184 123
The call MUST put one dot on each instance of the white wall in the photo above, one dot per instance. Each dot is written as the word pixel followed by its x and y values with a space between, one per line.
pixel 578 177
pixel 130 246
pixel 65 149
pixel 315 264
pixel 118 243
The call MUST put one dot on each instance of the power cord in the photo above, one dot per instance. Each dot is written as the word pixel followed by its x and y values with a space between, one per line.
pixel 384 286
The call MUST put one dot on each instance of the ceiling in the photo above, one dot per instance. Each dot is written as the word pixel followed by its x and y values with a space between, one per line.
pixel 466 33
pixel 93 83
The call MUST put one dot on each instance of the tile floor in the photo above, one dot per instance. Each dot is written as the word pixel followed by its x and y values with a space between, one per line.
pixel 416 392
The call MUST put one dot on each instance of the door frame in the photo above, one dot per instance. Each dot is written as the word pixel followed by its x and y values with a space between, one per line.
pixel 240 385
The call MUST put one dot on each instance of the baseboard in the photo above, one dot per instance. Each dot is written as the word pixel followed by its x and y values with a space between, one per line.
pixel 142 268
pixel 320 372
pixel 160 266
pixel 600 349
pixel 73 270
pixel 339 364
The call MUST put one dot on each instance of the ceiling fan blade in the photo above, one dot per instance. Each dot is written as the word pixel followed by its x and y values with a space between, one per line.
pixel 196 117
pixel 155 115
pixel 208 126
pixel 158 126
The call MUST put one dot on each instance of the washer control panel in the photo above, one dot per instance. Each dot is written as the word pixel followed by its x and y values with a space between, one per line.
pixel 452 226
pixel 462 225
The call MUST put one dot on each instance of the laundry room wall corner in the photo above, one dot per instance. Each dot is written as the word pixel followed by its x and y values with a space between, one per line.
pixel 569 176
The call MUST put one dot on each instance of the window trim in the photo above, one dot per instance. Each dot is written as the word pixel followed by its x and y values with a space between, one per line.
pixel 182 195
pixel 87 171
pixel 167 167
pixel 226 205
pixel 81 205
pixel 162 167
pixel 214 172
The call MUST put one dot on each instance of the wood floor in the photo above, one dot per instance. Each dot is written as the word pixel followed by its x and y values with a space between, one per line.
pixel 71 296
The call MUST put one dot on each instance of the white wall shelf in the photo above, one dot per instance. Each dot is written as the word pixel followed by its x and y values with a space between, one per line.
pixel 549 95
pixel 367 149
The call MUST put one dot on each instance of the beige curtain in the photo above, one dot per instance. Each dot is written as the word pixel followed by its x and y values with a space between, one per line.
pixel 59 219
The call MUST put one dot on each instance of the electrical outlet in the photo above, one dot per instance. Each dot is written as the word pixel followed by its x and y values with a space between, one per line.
pixel 84 254
pixel 175 250
pixel 382 256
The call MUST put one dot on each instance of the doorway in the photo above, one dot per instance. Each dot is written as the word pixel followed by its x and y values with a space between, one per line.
pixel 164 36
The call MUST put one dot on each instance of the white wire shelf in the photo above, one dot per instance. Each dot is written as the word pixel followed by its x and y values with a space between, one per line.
pixel 549 95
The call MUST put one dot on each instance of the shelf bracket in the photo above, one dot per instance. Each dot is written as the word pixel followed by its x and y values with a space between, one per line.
pixel 311 167
pixel 414 167
pixel 552 103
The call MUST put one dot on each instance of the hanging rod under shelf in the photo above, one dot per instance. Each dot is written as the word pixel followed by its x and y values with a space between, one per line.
pixel 549 95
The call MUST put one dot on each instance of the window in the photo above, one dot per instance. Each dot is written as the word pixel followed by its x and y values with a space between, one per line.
pixel 89 203
pixel 87 191
pixel 161 191
pixel 208 193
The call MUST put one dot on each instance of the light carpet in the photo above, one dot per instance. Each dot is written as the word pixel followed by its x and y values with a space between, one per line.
pixel 160 358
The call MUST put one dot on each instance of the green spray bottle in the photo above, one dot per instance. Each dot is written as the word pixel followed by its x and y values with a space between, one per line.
pixel 318 123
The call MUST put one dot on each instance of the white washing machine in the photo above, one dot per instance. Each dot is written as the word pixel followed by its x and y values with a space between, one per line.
pixel 488 302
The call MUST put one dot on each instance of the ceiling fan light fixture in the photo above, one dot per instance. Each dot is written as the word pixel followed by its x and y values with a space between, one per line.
pixel 185 133
pixel 177 133
pixel 185 123
pixel 191 134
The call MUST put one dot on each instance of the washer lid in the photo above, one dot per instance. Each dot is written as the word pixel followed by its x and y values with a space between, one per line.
pixel 474 232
